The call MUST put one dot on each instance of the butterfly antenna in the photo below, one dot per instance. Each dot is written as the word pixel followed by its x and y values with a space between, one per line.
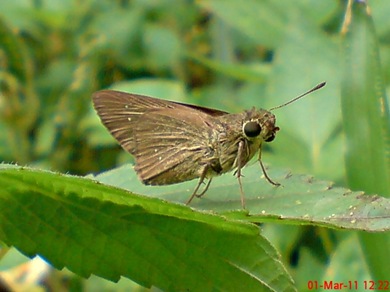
pixel 322 84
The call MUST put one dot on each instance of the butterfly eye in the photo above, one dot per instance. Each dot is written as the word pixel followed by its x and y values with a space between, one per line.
pixel 270 138
pixel 252 129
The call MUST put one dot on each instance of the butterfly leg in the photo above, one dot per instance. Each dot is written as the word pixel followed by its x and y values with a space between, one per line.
pixel 205 189
pixel 200 182
pixel 265 173
pixel 239 164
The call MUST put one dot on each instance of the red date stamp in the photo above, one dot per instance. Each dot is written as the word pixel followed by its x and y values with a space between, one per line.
pixel 369 285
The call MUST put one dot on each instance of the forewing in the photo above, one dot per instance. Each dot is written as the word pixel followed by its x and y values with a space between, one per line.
pixel 171 142
pixel 120 113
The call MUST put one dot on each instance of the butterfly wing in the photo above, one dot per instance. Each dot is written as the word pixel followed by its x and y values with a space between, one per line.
pixel 120 112
pixel 171 142
pixel 206 110
pixel 173 146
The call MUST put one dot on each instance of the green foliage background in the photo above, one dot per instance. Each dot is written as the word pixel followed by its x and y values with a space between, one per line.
pixel 222 54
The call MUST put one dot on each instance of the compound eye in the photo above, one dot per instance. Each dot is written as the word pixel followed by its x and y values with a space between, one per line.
pixel 270 138
pixel 252 129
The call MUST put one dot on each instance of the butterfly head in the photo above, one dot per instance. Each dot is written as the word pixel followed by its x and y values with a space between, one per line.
pixel 260 124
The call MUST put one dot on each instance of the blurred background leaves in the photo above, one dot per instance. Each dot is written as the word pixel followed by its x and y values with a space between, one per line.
pixel 222 54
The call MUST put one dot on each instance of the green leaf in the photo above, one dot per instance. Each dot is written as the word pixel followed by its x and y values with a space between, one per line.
pixel 364 104
pixel 300 200
pixel 260 21
pixel 264 22
pixel 16 53
pixel 162 46
pixel 366 122
pixel 92 228
pixel 253 72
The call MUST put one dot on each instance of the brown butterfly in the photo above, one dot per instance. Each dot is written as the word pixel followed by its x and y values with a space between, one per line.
pixel 174 142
